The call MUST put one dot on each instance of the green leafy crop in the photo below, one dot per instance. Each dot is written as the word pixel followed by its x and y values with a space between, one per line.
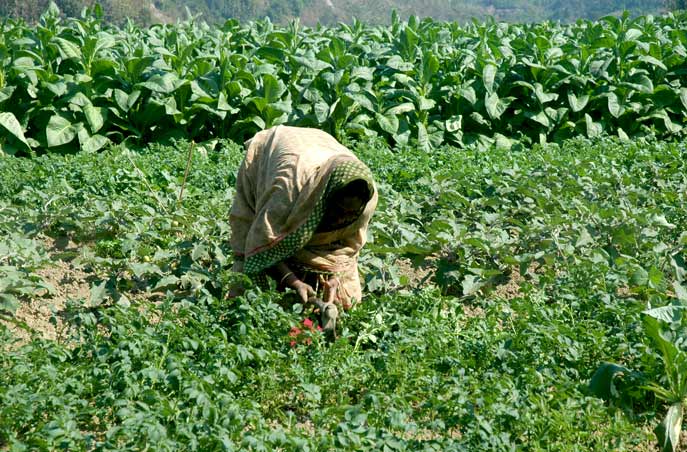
pixel 78 84
pixel 524 270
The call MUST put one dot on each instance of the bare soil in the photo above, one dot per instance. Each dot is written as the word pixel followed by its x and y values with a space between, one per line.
pixel 416 275
pixel 42 315
pixel 473 311
pixel 510 289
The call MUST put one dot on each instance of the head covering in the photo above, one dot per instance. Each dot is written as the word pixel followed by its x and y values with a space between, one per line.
pixel 281 193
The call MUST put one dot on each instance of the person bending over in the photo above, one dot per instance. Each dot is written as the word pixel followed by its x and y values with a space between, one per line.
pixel 301 211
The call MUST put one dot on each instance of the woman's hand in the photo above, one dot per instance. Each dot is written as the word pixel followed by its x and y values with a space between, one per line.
pixel 330 289
pixel 303 290
pixel 289 279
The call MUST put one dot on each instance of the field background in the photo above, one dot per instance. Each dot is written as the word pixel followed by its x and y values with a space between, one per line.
pixel 525 274
pixel 330 12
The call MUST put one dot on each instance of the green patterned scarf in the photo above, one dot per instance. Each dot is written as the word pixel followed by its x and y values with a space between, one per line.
pixel 341 175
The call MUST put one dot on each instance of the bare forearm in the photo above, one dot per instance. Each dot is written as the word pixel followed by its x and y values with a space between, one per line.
pixel 284 274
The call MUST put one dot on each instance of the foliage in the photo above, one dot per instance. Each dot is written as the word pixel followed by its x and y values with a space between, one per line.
pixel 666 328
pixel 673 351
pixel 77 84
pixel 588 234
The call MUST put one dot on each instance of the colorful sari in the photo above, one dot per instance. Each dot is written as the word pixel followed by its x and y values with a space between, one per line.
pixel 281 194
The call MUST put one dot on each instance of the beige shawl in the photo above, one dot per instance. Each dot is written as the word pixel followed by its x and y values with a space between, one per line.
pixel 280 186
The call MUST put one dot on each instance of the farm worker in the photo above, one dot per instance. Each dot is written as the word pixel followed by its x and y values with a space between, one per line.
pixel 300 215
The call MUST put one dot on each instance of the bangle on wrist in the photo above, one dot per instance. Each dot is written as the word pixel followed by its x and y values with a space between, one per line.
pixel 285 276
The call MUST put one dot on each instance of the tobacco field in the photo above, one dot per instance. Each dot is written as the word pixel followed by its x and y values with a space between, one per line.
pixel 72 84
pixel 525 275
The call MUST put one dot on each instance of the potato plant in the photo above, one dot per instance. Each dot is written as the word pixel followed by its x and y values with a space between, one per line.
pixel 440 356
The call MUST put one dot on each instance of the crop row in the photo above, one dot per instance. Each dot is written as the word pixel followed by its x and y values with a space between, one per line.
pixel 79 84
pixel 585 235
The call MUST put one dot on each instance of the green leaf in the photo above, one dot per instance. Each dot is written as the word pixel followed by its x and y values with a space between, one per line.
pixel 632 34
pixel 425 103
pixel 165 83
pixel 542 96
pixel 59 131
pixel 79 99
pixel 94 116
pixel 321 110
pixel 126 101
pixel 8 149
pixel 584 239
pixel 363 73
pixel 661 220
pixel 503 142
pixel 594 129
pixel 68 50
pixel 94 143
pixel 680 291
pixel 653 61
pixel 468 93
pixel 9 122
pixel 614 107
pixel 98 293
pixel 670 126
pixel 273 88
pixel 362 100
pixel 423 137
pixel 401 108
pixel 167 281
pixel 668 431
pixel 396 62
pixel 639 277
pixel 495 107
pixel 200 251
pixel 479 119
pixel 311 392
pixel 641 83
pixel 488 77
pixel 655 278
pixel 8 303
pixel 388 123
pixel 120 98
pixel 52 12
pixel 6 93
pixel 454 123
pixel 144 268
pixel 430 67
pixel 311 62
pixel 666 314
pixel 170 105
pixel 471 284
pixel 24 64
pixel 683 97
pixel 541 118
pixel 223 104
pixel 577 103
